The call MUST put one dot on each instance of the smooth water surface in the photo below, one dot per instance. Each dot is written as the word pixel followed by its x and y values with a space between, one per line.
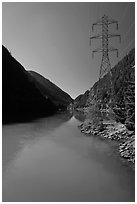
pixel 51 160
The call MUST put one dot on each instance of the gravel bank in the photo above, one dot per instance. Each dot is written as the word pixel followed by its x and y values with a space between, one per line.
pixel 113 131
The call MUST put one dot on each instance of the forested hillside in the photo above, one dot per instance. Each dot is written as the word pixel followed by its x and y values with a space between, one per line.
pixel 81 100
pixel 116 105
pixel 123 83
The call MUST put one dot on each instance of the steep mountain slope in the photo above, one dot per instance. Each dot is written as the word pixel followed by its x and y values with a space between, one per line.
pixel 51 91
pixel 123 80
pixel 21 99
pixel 120 108
pixel 81 100
pixel 121 74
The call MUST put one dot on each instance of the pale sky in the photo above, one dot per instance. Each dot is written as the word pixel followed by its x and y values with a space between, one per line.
pixel 52 38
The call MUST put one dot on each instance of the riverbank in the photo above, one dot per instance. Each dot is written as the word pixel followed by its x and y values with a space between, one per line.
pixel 48 160
pixel 114 131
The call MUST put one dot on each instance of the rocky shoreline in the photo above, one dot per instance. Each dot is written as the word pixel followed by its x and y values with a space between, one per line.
pixel 114 131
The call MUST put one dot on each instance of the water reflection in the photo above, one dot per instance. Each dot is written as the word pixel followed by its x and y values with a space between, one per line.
pixel 79 115
pixel 50 160
pixel 17 135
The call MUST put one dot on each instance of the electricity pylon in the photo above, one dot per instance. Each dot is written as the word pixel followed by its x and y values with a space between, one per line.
pixel 105 67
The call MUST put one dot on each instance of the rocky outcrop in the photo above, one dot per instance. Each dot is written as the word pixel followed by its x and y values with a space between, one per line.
pixel 114 131
pixel 127 148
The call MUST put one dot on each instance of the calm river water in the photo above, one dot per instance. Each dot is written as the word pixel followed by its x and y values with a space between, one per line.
pixel 51 160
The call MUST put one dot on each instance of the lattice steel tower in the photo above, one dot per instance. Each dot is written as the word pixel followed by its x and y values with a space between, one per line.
pixel 105 49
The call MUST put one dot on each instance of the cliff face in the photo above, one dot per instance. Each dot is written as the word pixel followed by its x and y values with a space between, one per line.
pixel 21 99
pixel 49 90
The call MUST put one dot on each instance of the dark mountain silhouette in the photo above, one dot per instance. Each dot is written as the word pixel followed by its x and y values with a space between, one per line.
pixel 21 99
pixel 49 90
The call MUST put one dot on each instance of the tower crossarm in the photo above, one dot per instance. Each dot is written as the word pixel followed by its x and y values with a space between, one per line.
pixel 99 36
pixel 99 22
pixel 111 49
pixel 114 35
pixel 111 21
pixel 99 49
